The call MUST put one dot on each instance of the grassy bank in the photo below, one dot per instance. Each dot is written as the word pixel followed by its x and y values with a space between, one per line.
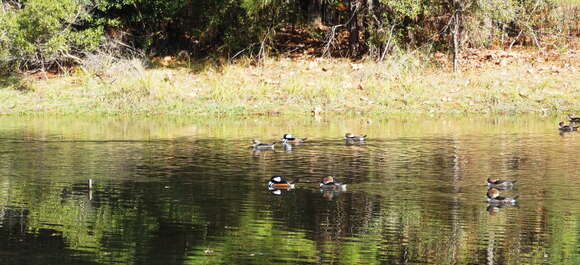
pixel 493 82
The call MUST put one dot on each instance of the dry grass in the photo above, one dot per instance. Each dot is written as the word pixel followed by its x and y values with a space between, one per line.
pixel 405 83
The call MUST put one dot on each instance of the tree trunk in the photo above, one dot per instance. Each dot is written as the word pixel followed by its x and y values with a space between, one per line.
pixel 315 12
pixel 353 28
pixel 456 34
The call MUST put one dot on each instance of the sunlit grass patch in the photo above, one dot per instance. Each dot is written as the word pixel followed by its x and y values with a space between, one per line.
pixel 405 83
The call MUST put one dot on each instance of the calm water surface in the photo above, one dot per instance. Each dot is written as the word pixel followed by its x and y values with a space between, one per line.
pixel 185 192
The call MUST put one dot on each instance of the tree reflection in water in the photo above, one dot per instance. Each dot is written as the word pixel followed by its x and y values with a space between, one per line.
pixel 415 195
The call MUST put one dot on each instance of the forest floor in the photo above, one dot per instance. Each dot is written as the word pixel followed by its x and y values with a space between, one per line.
pixel 491 81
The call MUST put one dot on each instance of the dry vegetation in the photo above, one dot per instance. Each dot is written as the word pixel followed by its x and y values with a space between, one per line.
pixel 493 81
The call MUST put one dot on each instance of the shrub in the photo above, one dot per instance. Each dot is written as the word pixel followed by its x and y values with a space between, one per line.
pixel 45 33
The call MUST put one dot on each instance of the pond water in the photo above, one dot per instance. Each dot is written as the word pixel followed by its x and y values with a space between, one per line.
pixel 170 191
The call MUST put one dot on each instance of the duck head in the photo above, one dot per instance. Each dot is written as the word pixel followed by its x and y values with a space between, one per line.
pixel 327 180
pixel 492 193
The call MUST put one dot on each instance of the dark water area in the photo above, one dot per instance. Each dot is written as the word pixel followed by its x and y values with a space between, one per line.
pixel 193 192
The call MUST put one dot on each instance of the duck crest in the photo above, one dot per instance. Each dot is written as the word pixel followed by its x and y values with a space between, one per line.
pixel 289 138
pixel 277 179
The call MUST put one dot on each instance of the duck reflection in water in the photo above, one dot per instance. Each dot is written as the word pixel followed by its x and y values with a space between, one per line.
pixel 257 153
pixel 329 194
pixel 278 185
pixel 287 146
pixel 331 188
pixel 494 209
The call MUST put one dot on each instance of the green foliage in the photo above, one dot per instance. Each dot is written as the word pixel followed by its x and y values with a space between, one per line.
pixel 44 32
pixel 145 15
pixel 409 8
pixel 7 25
pixel 497 9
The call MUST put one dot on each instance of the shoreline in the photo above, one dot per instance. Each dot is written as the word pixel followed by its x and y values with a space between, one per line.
pixel 290 87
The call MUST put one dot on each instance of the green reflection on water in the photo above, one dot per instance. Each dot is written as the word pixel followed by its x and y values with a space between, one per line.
pixel 244 127
pixel 190 192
